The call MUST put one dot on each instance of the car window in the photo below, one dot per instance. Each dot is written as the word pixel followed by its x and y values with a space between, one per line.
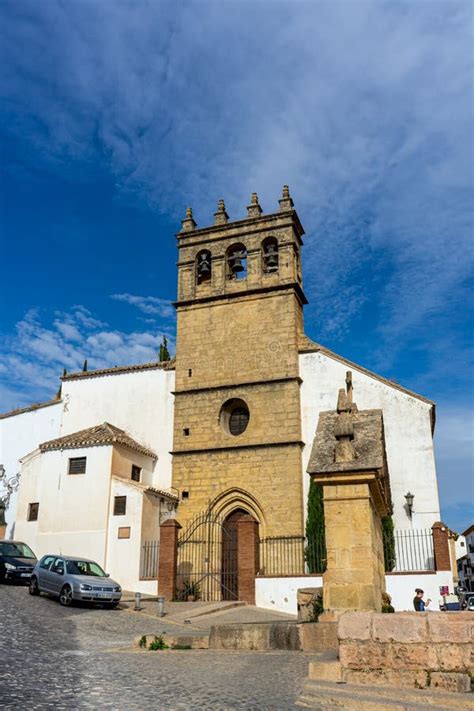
pixel 84 567
pixel 46 562
pixel 21 550
pixel 58 566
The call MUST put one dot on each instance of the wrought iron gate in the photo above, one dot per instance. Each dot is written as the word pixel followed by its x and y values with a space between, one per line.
pixel 207 560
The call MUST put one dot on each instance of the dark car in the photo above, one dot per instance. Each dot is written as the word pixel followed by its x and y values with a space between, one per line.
pixel 17 561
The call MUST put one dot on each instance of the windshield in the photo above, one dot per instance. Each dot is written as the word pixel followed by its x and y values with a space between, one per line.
pixel 84 567
pixel 18 550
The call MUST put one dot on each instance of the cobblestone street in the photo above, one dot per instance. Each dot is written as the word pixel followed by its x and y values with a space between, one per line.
pixel 53 657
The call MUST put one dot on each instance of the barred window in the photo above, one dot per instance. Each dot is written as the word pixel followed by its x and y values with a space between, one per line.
pixel 33 511
pixel 77 465
pixel 120 505
pixel 136 472
pixel 238 421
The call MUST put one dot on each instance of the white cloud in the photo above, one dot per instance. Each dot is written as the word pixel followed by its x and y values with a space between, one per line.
pixel 148 304
pixel 34 359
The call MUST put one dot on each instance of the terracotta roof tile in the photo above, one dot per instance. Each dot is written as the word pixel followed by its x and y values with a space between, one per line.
pixel 165 365
pixel 94 436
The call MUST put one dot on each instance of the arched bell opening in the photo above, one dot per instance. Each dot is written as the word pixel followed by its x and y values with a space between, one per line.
pixel 270 255
pixel 237 262
pixel 203 266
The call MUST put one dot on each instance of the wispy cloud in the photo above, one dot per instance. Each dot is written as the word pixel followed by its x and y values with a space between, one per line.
pixel 151 305
pixel 34 358
pixel 364 108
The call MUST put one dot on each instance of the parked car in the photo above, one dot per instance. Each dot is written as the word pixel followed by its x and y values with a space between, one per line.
pixel 470 604
pixel 17 561
pixel 74 579
pixel 465 600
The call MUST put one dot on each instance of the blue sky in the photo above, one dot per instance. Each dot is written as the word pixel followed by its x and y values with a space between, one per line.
pixel 117 115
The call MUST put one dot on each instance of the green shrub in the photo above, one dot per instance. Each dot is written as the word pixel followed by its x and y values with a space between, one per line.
pixel 157 643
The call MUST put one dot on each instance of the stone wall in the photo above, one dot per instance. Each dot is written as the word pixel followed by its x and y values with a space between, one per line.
pixel 413 649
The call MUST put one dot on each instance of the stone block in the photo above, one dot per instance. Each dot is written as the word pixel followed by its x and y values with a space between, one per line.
pixel 354 625
pixel 454 657
pixel 449 681
pixel 365 655
pixel 326 671
pixel 403 627
pixel 318 636
pixel 413 656
pixel 243 637
pixel 416 678
pixel 448 627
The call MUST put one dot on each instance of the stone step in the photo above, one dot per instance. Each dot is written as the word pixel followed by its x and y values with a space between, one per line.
pixel 352 697
pixel 293 636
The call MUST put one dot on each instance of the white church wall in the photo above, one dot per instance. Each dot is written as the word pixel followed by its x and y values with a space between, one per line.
pixel 281 593
pixel 73 508
pixel 401 588
pixel 20 434
pixel 407 424
pixel 139 402
pixel 123 554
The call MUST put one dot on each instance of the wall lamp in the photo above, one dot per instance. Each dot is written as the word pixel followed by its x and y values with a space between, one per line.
pixel 409 499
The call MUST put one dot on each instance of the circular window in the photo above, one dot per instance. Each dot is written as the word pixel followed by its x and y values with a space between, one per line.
pixel 235 416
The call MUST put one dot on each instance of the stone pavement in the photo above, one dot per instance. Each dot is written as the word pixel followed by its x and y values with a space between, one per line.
pixel 78 658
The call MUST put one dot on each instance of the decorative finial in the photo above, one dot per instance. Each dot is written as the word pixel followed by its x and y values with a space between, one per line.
pixel 349 385
pixel 188 223
pixel 344 431
pixel 286 203
pixel 254 209
pixel 221 217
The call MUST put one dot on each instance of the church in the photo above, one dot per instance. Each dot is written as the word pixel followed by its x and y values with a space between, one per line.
pixel 220 433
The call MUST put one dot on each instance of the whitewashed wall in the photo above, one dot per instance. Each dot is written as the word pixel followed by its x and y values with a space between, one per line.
pixel 73 508
pixel 407 432
pixel 281 593
pixel 19 435
pixel 401 588
pixel 138 402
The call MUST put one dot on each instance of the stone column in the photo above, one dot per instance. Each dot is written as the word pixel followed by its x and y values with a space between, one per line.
pixel 441 546
pixel 355 574
pixel 247 557
pixel 168 559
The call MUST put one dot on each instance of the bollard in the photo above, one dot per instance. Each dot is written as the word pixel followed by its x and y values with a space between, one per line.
pixel 161 606
pixel 138 597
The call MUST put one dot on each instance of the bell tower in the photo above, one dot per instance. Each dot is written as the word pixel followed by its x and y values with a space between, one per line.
pixel 237 422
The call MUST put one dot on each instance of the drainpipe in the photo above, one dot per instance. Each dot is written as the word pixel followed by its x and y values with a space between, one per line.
pixel 107 522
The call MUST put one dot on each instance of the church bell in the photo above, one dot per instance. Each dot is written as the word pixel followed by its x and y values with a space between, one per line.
pixel 235 263
pixel 204 266
pixel 271 258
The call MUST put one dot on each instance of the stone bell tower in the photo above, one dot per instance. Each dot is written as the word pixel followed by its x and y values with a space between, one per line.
pixel 237 425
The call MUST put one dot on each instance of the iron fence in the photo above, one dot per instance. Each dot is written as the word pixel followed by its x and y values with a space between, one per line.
pixel 291 555
pixel 149 560
pixel 409 550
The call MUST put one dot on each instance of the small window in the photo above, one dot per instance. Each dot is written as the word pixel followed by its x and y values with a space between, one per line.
pixel 120 505
pixel 136 473
pixel 234 416
pixel 77 465
pixel 185 494
pixel 33 511
pixel 186 431
pixel 58 567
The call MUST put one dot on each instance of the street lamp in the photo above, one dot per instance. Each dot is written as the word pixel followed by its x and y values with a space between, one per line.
pixel 409 499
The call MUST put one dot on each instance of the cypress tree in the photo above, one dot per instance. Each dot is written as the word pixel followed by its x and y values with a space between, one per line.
pixel 315 552
pixel 84 367
pixel 388 543
pixel 164 352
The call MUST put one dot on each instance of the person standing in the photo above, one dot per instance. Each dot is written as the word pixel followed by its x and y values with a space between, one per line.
pixel 418 603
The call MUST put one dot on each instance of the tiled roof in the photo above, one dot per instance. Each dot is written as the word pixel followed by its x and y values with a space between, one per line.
pixel 306 345
pixel 165 365
pixel 30 408
pixel 98 435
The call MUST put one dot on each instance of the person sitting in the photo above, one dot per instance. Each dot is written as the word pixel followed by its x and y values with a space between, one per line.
pixel 418 603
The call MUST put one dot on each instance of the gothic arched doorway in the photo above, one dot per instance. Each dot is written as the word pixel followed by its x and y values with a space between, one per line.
pixel 230 547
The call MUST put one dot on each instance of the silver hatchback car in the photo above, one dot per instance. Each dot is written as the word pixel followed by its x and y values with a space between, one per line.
pixel 72 578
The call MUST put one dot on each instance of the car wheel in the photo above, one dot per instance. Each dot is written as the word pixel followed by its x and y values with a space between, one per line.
pixel 33 589
pixel 65 596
